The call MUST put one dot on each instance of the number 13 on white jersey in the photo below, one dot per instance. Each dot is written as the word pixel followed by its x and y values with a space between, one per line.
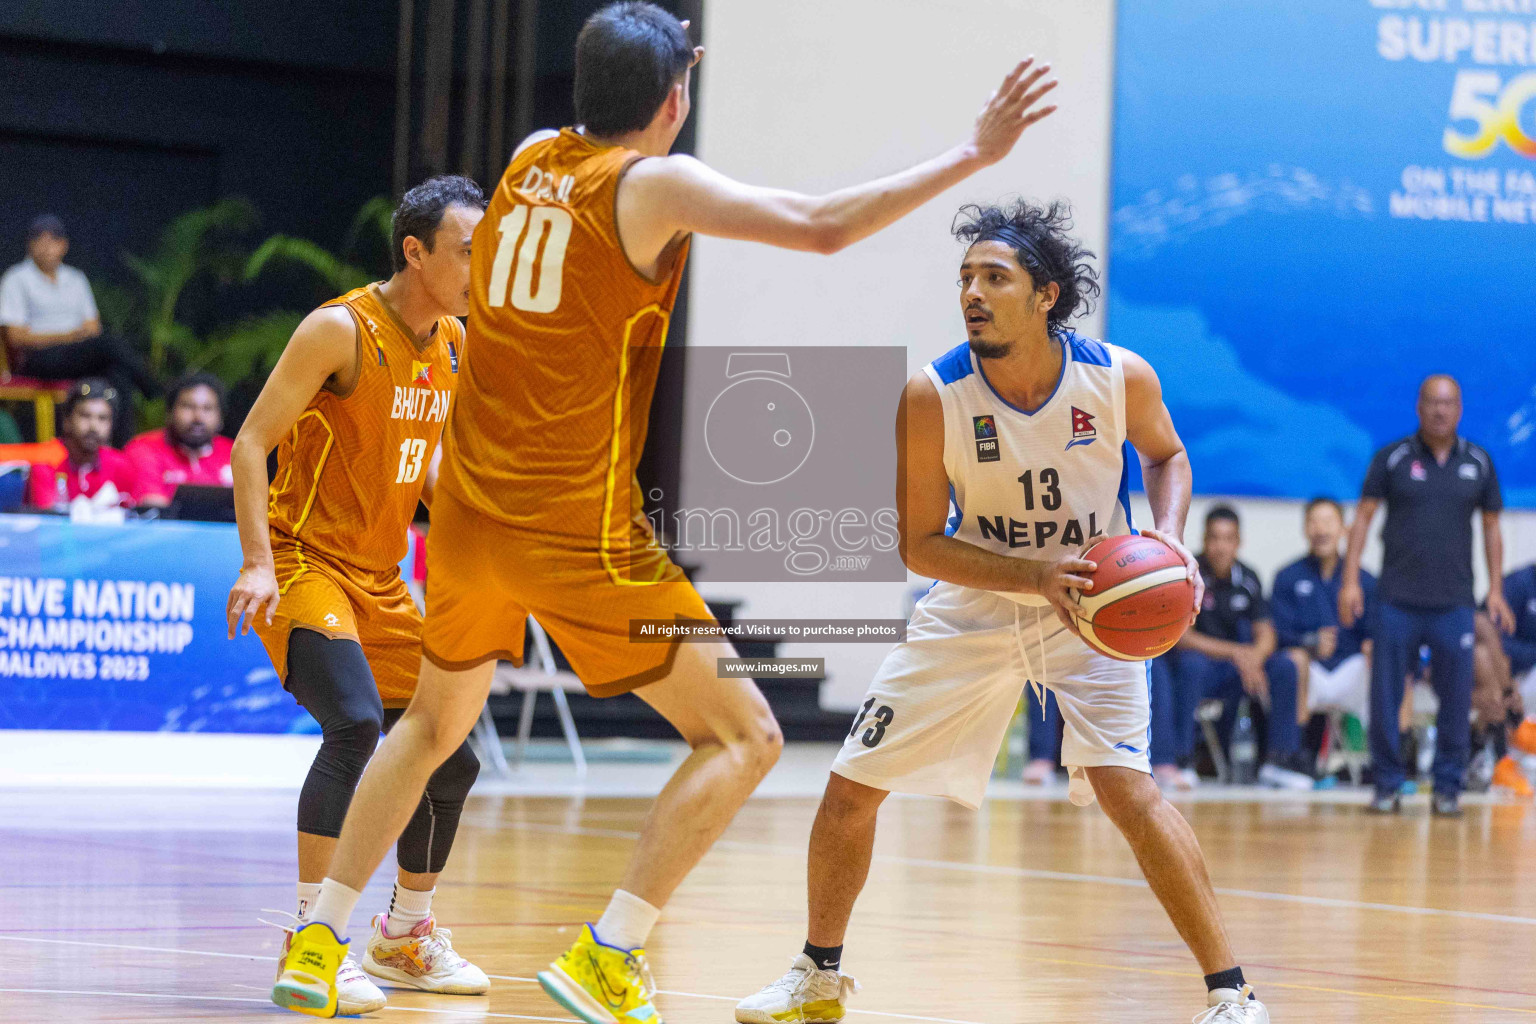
pixel 549 230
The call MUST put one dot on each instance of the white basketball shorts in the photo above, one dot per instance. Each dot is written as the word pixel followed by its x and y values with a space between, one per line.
pixel 1347 687
pixel 936 714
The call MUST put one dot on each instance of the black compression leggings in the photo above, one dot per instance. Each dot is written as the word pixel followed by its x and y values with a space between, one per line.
pixel 331 679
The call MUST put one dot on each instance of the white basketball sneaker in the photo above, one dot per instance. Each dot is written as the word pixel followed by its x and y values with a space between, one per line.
pixel 1229 1006
pixel 806 994
pixel 355 993
pixel 423 958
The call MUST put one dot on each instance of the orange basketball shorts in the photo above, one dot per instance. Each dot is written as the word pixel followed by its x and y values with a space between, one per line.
pixel 484 578
pixel 341 601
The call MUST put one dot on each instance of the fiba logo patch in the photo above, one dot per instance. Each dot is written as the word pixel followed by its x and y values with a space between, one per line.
pixel 1083 430
pixel 987 448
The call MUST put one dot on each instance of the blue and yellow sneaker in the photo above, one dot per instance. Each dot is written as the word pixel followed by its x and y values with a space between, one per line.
pixel 307 983
pixel 806 995
pixel 602 984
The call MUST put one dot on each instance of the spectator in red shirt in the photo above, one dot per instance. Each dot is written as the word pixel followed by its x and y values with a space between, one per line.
pixel 189 449
pixel 88 464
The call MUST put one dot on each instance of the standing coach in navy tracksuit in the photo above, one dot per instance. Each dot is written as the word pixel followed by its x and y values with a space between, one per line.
pixel 1431 483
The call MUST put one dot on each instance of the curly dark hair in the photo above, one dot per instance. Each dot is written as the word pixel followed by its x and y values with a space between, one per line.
pixel 1052 254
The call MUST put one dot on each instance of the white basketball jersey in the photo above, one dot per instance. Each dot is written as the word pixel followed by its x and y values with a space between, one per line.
pixel 1034 484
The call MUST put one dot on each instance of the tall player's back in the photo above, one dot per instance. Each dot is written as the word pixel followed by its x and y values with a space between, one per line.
pixel 566 342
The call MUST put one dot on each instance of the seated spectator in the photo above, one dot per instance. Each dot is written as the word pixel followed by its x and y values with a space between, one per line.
pixel 1504 680
pixel 1230 652
pixel 52 329
pixel 88 464
pixel 189 448
pixel 1333 664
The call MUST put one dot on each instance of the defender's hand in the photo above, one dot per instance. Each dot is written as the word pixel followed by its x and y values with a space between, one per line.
pixel 256 588
pixel 1010 110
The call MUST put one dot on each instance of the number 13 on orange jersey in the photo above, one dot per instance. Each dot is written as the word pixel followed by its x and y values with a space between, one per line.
pixel 412 451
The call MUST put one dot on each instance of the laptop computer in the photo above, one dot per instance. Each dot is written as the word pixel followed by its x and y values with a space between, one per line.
pixel 204 503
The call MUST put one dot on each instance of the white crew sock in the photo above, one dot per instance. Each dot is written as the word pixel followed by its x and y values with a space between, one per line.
pixel 334 906
pixel 308 893
pixel 627 922
pixel 407 909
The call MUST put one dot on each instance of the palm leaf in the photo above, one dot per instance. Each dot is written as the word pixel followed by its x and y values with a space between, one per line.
pixel 200 241
pixel 250 346
pixel 375 218
pixel 338 275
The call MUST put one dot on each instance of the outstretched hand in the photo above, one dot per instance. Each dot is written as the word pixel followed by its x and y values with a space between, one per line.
pixel 1011 109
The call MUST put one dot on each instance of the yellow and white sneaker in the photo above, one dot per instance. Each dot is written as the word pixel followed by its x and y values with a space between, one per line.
pixel 306 979
pixel 355 993
pixel 423 958
pixel 602 984
pixel 806 994
pixel 1230 1006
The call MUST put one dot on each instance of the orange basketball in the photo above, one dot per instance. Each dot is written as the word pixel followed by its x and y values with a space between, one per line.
pixel 1141 599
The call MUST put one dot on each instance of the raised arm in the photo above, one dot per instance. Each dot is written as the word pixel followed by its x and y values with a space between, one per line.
pixel 1165 469
pixel 324 347
pixel 662 198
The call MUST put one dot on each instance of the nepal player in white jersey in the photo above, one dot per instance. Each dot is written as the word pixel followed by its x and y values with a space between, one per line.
pixel 1013 455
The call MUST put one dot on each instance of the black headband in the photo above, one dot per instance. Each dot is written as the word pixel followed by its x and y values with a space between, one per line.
pixel 1020 242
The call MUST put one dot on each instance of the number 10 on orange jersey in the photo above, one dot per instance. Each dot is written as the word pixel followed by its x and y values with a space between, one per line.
pixel 549 229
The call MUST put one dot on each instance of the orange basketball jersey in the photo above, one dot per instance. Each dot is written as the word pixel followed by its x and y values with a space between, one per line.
pixel 567 340
pixel 350 472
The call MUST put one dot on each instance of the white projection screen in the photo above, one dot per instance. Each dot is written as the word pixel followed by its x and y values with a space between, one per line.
pixel 813 96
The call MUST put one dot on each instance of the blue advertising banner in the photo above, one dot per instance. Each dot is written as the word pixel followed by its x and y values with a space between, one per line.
pixel 1316 204
pixel 122 627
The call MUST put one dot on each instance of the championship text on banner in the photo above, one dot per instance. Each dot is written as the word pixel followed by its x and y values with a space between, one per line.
pixel 122 627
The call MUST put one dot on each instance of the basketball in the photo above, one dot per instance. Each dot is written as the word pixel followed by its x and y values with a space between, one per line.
pixel 1141 599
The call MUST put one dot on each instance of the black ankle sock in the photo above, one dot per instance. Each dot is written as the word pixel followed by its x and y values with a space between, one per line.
pixel 1232 979
pixel 830 958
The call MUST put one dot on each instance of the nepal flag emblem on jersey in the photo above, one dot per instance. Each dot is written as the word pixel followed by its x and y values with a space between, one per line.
pixel 1083 430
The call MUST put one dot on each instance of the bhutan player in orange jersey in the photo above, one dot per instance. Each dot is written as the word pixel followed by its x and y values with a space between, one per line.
pixel 576 269
pixel 355 408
